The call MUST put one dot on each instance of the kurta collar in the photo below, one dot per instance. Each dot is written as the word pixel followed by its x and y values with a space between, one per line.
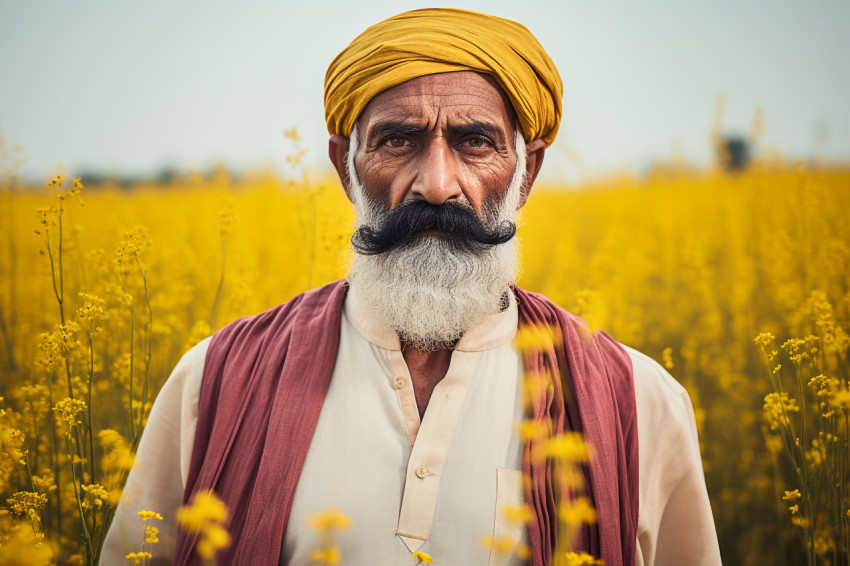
pixel 494 330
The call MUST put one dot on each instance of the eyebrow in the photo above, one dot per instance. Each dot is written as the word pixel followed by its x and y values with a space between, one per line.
pixel 481 129
pixel 393 128
pixel 404 128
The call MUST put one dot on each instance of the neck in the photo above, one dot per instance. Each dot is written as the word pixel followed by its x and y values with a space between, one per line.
pixel 427 369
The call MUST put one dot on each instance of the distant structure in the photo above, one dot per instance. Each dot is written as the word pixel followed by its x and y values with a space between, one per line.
pixel 734 152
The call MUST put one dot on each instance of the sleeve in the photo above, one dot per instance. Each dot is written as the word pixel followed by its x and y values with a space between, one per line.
pixel 675 523
pixel 158 476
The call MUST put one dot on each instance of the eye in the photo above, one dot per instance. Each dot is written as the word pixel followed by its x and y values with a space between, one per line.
pixel 396 142
pixel 478 142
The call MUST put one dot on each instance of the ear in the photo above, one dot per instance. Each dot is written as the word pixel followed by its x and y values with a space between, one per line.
pixel 534 151
pixel 338 152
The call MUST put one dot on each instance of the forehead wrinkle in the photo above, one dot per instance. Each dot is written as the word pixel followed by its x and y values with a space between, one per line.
pixel 428 94
pixel 436 102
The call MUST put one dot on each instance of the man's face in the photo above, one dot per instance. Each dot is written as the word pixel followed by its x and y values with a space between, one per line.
pixel 438 175
pixel 440 138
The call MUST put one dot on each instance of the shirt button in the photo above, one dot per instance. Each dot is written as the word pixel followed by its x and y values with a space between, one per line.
pixel 399 382
pixel 421 472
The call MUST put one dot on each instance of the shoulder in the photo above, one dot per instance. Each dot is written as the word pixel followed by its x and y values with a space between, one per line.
pixel 675 524
pixel 306 306
pixel 196 354
pixel 650 375
pixel 663 405
pixel 185 380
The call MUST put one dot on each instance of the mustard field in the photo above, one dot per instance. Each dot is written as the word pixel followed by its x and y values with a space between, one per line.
pixel 738 283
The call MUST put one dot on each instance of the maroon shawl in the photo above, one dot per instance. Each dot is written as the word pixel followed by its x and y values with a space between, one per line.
pixel 265 379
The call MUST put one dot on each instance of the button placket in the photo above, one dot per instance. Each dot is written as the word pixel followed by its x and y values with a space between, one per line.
pixel 425 467
pixel 406 396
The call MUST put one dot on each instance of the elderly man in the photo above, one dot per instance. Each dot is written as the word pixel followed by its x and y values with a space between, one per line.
pixel 393 396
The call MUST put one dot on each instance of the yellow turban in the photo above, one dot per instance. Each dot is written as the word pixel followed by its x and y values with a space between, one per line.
pixel 431 41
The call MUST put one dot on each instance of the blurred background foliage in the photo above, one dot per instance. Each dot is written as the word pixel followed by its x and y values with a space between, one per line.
pixel 687 266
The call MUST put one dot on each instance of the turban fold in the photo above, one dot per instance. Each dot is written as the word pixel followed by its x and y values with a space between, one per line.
pixel 431 41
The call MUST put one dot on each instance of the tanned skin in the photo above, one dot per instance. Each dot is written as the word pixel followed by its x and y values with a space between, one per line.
pixel 438 138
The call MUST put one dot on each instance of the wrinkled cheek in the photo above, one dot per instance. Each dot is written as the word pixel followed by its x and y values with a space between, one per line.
pixel 381 185
pixel 490 182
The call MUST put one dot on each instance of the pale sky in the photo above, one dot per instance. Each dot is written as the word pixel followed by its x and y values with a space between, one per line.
pixel 131 87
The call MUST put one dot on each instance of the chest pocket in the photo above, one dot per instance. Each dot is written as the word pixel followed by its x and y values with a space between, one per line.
pixel 510 536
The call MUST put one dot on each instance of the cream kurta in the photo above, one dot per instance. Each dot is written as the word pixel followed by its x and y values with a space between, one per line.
pixel 431 486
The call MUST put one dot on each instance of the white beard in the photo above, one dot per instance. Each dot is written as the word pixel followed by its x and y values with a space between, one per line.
pixel 431 292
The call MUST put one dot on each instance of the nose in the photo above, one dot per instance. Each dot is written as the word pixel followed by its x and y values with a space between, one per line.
pixel 437 176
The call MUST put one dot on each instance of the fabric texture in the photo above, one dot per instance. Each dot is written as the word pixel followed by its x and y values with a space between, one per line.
pixel 264 381
pixel 430 41
pixel 596 374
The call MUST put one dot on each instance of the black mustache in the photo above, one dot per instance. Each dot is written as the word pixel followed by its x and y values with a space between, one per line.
pixel 458 223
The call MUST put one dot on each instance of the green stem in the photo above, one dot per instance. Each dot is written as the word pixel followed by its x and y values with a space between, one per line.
pixel 61 273
pixel 53 274
pixel 90 423
pixel 148 352
pixel 86 534
pixel 132 360
pixel 55 445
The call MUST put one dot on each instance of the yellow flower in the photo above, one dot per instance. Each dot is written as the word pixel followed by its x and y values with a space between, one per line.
pixel 226 216
pixel 422 558
pixel 137 557
pixel 667 357
pixel 330 555
pixel 68 413
pixel 792 495
pixel 577 512
pixel 535 387
pixel 533 338
pixel 94 496
pixel 91 311
pixel 777 409
pixel 204 508
pixel 117 459
pixel 794 509
pixel 500 545
pixel 148 515
pixel 214 538
pixel 27 503
pixel 328 521
pixel 568 447
pixel 132 248
pixel 49 351
pixel 765 340
pixel 44 483
pixel 151 535
pixel 582 559
pixel 516 513
pixel 533 430
pixel 205 515
pixel 56 182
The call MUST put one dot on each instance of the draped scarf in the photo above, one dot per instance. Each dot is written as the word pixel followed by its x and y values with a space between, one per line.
pixel 264 382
